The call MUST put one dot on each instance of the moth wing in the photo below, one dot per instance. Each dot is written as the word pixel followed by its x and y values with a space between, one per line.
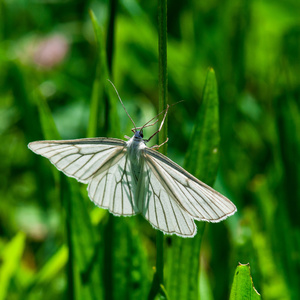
pixel 100 162
pixel 158 206
pixel 191 195
pixel 114 188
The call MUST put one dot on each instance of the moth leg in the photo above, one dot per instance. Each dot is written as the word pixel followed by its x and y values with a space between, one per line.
pixel 127 137
pixel 156 147
pixel 159 129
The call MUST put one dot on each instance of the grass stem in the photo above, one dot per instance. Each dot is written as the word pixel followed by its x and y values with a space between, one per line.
pixel 158 279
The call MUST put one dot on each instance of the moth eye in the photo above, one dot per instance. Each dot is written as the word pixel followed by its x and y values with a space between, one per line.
pixel 141 134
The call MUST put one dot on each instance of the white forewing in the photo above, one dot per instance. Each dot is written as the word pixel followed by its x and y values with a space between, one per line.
pixel 100 162
pixel 80 158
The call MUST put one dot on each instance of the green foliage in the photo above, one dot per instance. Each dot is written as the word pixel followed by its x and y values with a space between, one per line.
pixel 242 287
pixel 54 244
pixel 202 158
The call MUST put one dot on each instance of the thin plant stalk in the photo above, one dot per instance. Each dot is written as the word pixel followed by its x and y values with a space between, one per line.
pixel 108 249
pixel 158 279
pixel 110 38
pixel 163 99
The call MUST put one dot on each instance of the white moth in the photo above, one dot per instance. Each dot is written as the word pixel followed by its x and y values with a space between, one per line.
pixel 128 178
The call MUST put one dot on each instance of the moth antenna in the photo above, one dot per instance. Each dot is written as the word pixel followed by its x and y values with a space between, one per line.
pixel 145 125
pixel 122 103
pixel 160 114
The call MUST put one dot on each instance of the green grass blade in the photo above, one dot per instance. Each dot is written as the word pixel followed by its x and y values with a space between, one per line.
pixel 162 72
pixel 10 261
pixel 49 272
pixel 104 120
pixel 53 266
pixel 48 126
pixel 202 161
pixel 183 266
pixel 110 38
pixel 242 287
pixel 158 278
pixel 287 215
pixel 129 274
pixel 85 253
pixel 203 150
pixel 113 128
pixel 96 120
pixel 49 129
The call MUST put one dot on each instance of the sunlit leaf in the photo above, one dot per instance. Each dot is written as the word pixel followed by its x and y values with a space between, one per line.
pixel 242 287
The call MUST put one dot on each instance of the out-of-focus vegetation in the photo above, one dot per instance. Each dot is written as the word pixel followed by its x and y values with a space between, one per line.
pixel 51 69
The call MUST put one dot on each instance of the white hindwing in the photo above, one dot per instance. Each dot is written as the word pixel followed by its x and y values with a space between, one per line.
pixel 159 207
pixel 100 162
pixel 173 197
pixel 113 187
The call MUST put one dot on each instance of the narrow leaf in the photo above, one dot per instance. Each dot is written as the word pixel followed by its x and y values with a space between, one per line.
pixel 242 287
pixel 85 255
pixel 96 121
pixel 129 268
pixel 49 129
pixel 202 159
pixel 158 277
pixel 48 272
pixel 104 118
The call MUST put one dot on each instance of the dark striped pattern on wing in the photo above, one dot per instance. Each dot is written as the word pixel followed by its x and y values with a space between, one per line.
pixel 80 158
pixel 169 197
pixel 112 187
pixel 194 197
pixel 159 207
pixel 100 162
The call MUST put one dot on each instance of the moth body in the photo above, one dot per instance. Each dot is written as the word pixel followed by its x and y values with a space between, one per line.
pixel 135 147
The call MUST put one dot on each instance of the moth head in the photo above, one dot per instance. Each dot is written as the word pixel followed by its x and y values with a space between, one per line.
pixel 139 134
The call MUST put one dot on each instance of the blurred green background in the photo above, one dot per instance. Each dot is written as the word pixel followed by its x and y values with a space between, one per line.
pixel 48 54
